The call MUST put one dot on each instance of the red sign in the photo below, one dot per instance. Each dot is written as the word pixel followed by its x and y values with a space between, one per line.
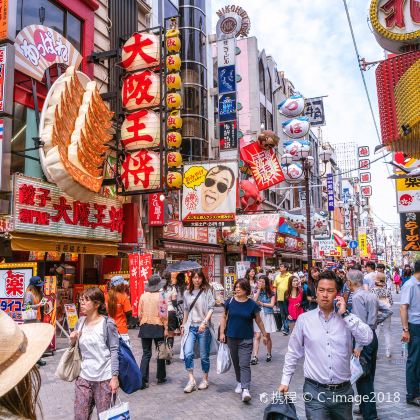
pixel 363 151
pixel 365 177
pixel 367 190
pixel 176 230
pixel 289 243
pixel 133 266
pixel 264 165
pixel 145 265
pixel 364 164
pixel 156 210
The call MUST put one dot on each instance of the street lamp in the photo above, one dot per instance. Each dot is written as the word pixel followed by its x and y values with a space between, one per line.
pixel 307 162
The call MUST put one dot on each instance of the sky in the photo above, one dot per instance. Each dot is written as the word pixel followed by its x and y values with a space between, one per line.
pixel 311 42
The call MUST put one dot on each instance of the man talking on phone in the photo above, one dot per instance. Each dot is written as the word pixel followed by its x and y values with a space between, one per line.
pixel 325 338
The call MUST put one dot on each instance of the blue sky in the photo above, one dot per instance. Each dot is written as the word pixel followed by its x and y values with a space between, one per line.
pixel 310 40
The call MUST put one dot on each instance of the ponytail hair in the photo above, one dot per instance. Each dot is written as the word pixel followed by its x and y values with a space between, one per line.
pixel 96 295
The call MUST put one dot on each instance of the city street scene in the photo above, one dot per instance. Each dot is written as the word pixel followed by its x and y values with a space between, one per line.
pixel 209 210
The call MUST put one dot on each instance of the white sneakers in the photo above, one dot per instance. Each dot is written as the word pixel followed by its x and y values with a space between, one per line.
pixel 191 386
pixel 203 385
pixel 238 388
pixel 246 396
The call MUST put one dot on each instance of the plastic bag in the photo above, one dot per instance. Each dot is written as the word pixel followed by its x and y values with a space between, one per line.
pixel 223 358
pixel 356 369
pixel 120 412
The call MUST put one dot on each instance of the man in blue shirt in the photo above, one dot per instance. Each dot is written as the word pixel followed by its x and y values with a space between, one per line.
pixel 410 319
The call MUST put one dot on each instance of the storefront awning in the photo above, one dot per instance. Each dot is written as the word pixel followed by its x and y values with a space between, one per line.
pixel 28 242
pixel 260 251
pixel 186 247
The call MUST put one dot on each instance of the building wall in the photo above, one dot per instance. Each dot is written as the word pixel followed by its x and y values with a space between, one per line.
pixel 102 43
pixel 346 154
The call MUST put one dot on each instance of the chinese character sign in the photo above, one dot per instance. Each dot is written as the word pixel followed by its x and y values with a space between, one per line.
pixel 156 210
pixel 410 231
pixel 141 90
pixel 363 151
pixel 145 271
pixel 228 135
pixel 365 177
pixel 408 195
pixel 141 51
pixel 292 107
pixel 134 269
pixel 264 165
pixel 314 111
pixel 140 130
pixel 330 190
pixel 209 194
pixel 50 309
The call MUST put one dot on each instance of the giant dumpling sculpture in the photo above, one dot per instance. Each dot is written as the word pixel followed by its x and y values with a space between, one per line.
pixel 75 126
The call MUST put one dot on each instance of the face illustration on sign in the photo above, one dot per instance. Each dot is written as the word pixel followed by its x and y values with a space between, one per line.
pixel 217 184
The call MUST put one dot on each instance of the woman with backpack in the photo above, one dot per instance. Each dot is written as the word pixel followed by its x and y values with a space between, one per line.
pixel 98 344
pixel 119 306
pixel 197 328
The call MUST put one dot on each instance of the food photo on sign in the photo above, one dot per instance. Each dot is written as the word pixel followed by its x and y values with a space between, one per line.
pixel 209 194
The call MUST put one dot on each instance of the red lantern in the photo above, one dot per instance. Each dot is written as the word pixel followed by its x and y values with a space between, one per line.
pixel 141 90
pixel 140 130
pixel 140 52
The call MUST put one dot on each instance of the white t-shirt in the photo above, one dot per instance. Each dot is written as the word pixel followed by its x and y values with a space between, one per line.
pixel 370 280
pixel 96 356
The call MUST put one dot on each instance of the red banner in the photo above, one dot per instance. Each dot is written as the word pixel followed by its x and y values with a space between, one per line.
pixel 264 165
pixel 145 264
pixel 133 266
pixel 156 210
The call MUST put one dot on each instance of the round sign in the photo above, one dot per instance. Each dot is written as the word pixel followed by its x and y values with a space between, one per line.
pixel 353 244
pixel 228 26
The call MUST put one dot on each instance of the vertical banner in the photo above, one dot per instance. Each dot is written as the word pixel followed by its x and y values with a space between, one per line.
pixel 314 110
pixel 330 191
pixel 363 244
pixel 145 264
pixel 156 210
pixel 8 9
pixel 207 261
pixel 133 266
pixel 410 231
pixel 50 309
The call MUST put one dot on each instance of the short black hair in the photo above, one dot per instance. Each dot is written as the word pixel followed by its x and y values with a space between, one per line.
pixel 244 285
pixel 220 168
pixel 356 267
pixel 371 265
pixel 329 275
pixel 380 266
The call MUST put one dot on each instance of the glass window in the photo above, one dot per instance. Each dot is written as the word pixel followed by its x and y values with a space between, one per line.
pixel 193 17
pixel 194 73
pixel 261 75
pixel 74 31
pixel 193 45
pixel 201 4
pixel 41 12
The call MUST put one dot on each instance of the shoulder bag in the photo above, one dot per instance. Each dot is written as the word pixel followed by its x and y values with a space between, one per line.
pixel 227 319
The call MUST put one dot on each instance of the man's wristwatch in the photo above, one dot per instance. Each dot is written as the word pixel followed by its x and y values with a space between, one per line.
pixel 345 314
pixel 405 329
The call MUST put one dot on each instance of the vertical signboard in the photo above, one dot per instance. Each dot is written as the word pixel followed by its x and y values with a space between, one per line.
pixel 410 231
pixel 6 79
pixel 330 191
pixel 156 210
pixel 8 10
pixel 134 269
pixel 314 110
pixel 50 308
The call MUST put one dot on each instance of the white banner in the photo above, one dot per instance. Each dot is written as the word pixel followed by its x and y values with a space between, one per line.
pixel 226 52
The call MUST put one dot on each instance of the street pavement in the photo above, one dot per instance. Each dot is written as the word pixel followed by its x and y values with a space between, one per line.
pixel 219 401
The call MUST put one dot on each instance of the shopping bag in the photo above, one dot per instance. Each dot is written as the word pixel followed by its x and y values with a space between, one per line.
pixel 120 411
pixel 356 369
pixel 224 361
pixel 164 352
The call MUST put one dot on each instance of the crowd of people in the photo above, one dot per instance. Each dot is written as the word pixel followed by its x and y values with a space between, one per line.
pixel 331 315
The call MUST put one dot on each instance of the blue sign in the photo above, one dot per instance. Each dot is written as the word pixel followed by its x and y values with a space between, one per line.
pixel 330 191
pixel 346 195
pixel 353 244
pixel 226 79
pixel 227 107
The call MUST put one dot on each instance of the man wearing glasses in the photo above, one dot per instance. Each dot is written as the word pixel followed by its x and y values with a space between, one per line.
pixel 217 185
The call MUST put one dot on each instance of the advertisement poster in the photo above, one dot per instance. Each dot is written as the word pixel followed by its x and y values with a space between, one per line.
pixel 241 267
pixel 265 166
pixel 410 231
pixel 156 210
pixel 133 266
pixel 209 194
pixel 14 279
pixel 50 309
pixel 208 266
pixel 145 265
pixel 71 315
pixel 229 278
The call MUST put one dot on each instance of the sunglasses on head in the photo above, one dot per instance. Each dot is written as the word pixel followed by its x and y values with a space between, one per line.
pixel 221 187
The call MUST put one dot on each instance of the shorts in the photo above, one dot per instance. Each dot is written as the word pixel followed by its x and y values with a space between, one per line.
pixel 172 321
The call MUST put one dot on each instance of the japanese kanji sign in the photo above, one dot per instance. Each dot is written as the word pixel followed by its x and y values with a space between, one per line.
pixel 42 208
pixel 366 190
pixel 410 231
pixel 226 79
pixel 364 164
pixel 363 151
pixel 134 269
pixel 14 279
pixel 408 195
pixel 228 135
pixel 264 165
pixel 227 107
pixel 365 177
pixel 209 194
pixel 145 271
pixel 314 110
pixel 330 191
pixel 156 210
pixel 141 51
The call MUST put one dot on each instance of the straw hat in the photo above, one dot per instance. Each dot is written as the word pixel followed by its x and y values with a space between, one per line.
pixel 20 348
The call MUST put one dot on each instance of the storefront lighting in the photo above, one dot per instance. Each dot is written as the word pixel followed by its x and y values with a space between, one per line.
pixel 303 153
pixel 162 197
pixel 325 155
pixel 286 159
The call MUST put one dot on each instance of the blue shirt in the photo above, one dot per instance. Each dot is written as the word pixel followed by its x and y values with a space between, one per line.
pixel 263 298
pixel 410 295
pixel 240 316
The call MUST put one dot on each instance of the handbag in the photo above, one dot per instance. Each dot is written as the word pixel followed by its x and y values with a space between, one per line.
pixel 129 377
pixel 69 367
pixel 164 352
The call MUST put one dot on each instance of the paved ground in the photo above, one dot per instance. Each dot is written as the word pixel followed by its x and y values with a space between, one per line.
pixel 220 402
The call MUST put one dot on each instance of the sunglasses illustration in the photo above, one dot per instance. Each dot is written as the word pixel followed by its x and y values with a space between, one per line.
pixel 221 187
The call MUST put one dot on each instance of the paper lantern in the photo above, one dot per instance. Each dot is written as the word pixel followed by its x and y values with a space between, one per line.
pixel 294 148
pixel 293 173
pixel 140 130
pixel 141 90
pixel 173 62
pixel 173 100
pixel 173 44
pixel 141 171
pixel 173 81
pixel 173 139
pixel 174 159
pixel 174 121
pixel 140 52
pixel 296 128
pixel 170 33
pixel 292 107
pixel 174 180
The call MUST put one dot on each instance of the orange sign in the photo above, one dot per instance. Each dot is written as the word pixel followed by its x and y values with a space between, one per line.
pixel 4 6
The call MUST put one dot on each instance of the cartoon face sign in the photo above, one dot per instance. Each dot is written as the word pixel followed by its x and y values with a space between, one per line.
pixel 217 184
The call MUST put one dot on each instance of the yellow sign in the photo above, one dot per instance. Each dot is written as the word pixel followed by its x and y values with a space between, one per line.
pixel 71 315
pixel 363 244
pixel 194 176
pixel 408 184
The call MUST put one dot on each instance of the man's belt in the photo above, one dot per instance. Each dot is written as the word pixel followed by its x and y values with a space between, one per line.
pixel 330 387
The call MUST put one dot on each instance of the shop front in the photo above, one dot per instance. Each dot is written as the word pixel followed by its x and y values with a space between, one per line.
pixel 289 245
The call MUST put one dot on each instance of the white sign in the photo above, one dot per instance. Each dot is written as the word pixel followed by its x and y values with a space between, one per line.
pixel 327 247
pixel 241 267
pixel 226 52
pixel 42 208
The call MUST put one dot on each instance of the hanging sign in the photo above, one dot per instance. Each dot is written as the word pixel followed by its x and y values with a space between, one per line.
pixel 134 270
pixel 156 210
pixel 145 271
pixel 365 177
pixel 292 107
pixel 6 79
pixel 363 151
pixel 410 231
pixel 366 190
pixel 39 47
pixel 142 50
pixel 330 190
pixel 363 244
pixel 296 128
pixel 408 195
pixel 228 135
pixel 314 111
pixel 364 164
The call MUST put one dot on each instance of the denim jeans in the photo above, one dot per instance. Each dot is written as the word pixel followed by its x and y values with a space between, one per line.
pixel 204 341
pixel 412 374
pixel 282 305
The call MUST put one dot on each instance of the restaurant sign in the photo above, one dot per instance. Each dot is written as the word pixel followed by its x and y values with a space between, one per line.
pixel 176 230
pixel 410 231
pixel 42 208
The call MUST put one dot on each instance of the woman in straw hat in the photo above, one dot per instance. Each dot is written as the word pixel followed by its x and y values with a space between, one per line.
pixel 153 327
pixel 20 348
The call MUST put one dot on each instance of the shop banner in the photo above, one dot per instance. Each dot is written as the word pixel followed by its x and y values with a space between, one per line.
pixel 71 315
pixel 50 308
pixel 327 247
pixel 289 243
pixel 265 166
pixel 408 195
pixel 176 230
pixel 229 278
pixel 410 231
pixel 14 279
pixel 209 194
pixel 156 210
pixel 6 79
pixel 39 47
pixel 208 263
pixel 228 135
pixel 314 110
pixel 42 208
pixel 330 191
pixel 241 267
pixel 145 266
pixel 134 269
pixel 363 244
pixel 226 52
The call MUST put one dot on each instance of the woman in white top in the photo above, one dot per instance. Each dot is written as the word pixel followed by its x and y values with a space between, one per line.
pixel 98 343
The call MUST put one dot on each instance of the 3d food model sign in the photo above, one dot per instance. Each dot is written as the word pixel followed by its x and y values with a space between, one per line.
pixel 75 127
